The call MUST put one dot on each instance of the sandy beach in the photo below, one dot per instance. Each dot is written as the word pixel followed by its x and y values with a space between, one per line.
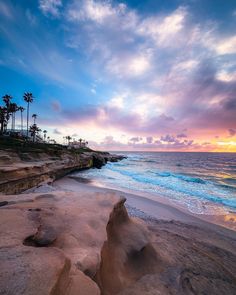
pixel 143 205
pixel 92 240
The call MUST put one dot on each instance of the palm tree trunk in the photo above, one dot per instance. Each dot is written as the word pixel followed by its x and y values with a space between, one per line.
pixel 12 121
pixel 21 114
pixel 2 126
pixel 28 120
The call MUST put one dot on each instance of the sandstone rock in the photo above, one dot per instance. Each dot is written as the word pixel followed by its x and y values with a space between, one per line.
pixel 127 255
pixel 98 161
pixel 3 203
pixel 51 243
pixel 22 171
pixel 87 239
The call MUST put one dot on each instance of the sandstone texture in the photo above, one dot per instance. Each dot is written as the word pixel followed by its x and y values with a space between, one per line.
pixel 20 171
pixel 70 243
pixel 51 243
pixel 167 258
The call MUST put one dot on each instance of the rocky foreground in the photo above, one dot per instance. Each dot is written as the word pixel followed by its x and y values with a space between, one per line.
pixel 68 242
pixel 65 243
pixel 21 170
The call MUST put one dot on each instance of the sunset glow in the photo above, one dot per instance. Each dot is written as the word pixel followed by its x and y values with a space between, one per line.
pixel 132 75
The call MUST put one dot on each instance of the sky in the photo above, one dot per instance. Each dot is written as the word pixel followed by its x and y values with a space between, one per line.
pixel 148 75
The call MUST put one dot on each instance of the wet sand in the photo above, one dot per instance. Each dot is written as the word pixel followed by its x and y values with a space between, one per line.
pixel 147 208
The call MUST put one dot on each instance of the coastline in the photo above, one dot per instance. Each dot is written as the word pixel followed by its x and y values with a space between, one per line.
pixel 74 238
pixel 69 235
pixel 153 207
pixel 22 169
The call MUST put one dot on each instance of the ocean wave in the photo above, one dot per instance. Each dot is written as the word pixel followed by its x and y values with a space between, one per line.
pixel 226 186
pixel 186 191
pixel 179 188
pixel 228 183
pixel 182 177
pixel 152 161
pixel 230 180
pixel 161 174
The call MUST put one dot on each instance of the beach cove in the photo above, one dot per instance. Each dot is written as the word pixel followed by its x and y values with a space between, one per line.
pixel 71 237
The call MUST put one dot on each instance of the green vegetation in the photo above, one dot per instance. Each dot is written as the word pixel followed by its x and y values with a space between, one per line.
pixel 10 136
pixel 9 110
pixel 28 97
pixel 22 145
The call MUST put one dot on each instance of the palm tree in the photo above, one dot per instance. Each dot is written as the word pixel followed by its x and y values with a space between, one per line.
pixel 68 137
pixel 44 135
pixel 28 97
pixel 21 109
pixel 35 117
pixel 13 108
pixel 3 113
pixel 7 100
pixel 34 129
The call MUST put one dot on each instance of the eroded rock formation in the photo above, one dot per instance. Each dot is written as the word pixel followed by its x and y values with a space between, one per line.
pixel 167 258
pixel 51 243
pixel 70 243
pixel 127 255
pixel 20 171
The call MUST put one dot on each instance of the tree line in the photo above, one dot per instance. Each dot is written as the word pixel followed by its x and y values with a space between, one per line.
pixel 8 113
pixel 8 116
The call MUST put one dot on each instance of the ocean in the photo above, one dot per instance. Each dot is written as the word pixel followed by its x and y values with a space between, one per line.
pixel 202 183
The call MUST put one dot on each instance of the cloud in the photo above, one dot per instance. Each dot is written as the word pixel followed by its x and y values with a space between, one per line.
pixel 181 135
pixel 162 30
pixel 135 139
pixel 31 17
pixel 56 106
pixel 168 138
pixel 149 139
pixel 136 143
pixel 122 119
pixel 158 72
pixel 110 143
pixel 90 10
pixel 50 7
pixel 131 66
pixel 56 131
pixel 226 46
pixel 226 76
pixel 6 10
pixel 232 132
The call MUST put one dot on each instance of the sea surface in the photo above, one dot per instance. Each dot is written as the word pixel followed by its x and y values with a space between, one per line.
pixel 202 183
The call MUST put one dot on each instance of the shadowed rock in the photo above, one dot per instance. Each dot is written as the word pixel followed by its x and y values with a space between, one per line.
pixel 127 255
pixel 3 203
pixel 44 237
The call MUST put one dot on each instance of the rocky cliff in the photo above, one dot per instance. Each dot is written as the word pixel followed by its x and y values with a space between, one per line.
pixel 20 170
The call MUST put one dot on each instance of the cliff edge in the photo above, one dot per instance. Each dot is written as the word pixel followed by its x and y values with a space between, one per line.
pixel 22 168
